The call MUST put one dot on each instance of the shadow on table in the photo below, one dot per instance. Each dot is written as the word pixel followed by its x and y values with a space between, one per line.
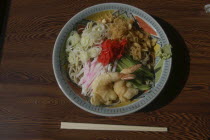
pixel 179 71
pixel 4 13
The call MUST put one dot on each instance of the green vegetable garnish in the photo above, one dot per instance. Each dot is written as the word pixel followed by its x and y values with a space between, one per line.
pixel 142 74
pixel 165 52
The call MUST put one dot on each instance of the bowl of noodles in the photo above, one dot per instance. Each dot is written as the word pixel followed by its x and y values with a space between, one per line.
pixel 112 59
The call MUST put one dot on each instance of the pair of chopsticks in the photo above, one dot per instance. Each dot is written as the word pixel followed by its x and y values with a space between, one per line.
pixel 90 126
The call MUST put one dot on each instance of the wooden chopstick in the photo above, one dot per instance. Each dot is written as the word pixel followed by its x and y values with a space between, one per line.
pixel 90 126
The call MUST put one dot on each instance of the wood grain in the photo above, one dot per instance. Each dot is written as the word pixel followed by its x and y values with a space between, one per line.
pixel 32 105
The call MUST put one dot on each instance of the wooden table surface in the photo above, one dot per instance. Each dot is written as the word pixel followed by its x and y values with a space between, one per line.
pixel 32 105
